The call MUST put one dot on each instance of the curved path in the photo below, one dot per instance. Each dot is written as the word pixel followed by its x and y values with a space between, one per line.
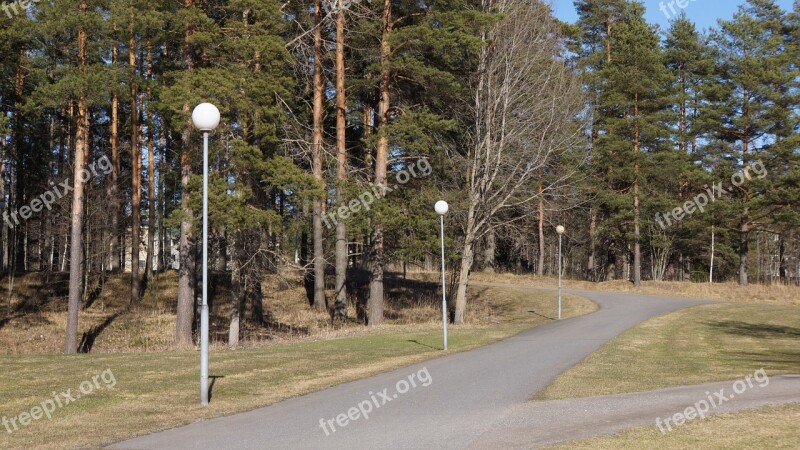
pixel 471 399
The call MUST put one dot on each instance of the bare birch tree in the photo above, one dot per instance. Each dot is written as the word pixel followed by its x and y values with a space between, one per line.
pixel 526 102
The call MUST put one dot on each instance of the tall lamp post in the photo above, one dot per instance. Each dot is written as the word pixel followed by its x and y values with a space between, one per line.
pixel 441 208
pixel 560 230
pixel 205 118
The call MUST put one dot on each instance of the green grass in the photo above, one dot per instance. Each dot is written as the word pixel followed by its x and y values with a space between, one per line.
pixel 695 345
pixel 157 391
pixel 771 427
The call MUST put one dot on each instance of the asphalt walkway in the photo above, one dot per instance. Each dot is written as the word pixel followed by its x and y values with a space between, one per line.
pixel 477 399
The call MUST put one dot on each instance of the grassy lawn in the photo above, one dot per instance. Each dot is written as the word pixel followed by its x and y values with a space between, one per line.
pixel 772 427
pixel 695 345
pixel 159 390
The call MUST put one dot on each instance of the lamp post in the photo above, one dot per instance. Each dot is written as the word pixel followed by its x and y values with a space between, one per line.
pixel 441 208
pixel 560 230
pixel 205 118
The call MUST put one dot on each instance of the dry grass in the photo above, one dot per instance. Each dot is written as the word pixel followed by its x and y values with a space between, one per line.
pixel 34 319
pixel 691 346
pixel 772 427
pixel 157 391
pixel 775 294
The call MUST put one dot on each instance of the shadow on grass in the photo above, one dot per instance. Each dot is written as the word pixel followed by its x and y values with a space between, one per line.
pixel 89 337
pixel 541 315
pixel 786 361
pixel 35 293
pixel 414 341
pixel 213 379
pixel 756 330
pixel 400 294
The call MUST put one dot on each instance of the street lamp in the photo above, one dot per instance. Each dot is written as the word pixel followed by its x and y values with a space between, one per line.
pixel 560 230
pixel 441 208
pixel 205 118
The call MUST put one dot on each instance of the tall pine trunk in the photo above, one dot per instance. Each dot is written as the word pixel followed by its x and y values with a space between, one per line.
pixel 113 185
pixel 76 222
pixel 340 304
pixel 185 309
pixel 744 226
pixel 136 170
pixel 637 245
pixel 376 295
pixel 318 300
pixel 151 170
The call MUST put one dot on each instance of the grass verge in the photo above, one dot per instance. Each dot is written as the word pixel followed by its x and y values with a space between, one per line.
pixel 771 427
pixel 158 390
pixel 728 291
pixel 691 346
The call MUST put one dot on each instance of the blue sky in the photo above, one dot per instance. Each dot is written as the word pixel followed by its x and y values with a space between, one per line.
pixel 703 12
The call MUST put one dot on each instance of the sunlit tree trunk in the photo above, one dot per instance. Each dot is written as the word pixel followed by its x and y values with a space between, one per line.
pixel 376 295
pixel 185 309
pixel 340 304
pixel 317 161
pixel 136 170
pixel 76 222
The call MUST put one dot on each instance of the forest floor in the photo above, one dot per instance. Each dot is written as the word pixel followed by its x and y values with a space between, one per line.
pixel 159 390
pixel 33 317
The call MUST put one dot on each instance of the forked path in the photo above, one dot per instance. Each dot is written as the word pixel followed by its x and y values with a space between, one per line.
pixel 472 399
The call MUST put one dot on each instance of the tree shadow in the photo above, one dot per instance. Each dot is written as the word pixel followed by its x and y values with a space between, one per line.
pixel 276 326
pixel 757 330
pixel 89 337
pixel 95 294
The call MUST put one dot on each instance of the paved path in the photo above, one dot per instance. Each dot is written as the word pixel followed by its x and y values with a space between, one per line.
pixel 537 424
pixel 477 398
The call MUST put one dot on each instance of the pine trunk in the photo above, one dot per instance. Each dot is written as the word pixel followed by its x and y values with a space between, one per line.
pixel 76 222
pixel 637 245
pixel 151 171
pixel 185 310
pixel 318 301
pixel 376 294
pixel 340 303
pixel 136 172
pixel 113 185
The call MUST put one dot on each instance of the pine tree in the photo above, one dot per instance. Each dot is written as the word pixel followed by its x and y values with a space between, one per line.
pixel 591 41
pixel 631 105
pixel 741 99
